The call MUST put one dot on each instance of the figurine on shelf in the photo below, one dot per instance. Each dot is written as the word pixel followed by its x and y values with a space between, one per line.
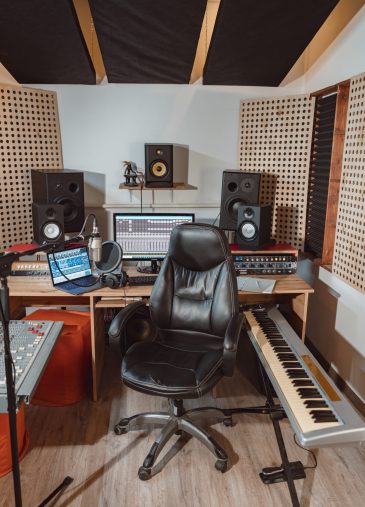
pixel 130 174
pixel 133 177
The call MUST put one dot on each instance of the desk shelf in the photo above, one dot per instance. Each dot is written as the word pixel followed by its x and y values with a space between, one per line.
pixel 116 302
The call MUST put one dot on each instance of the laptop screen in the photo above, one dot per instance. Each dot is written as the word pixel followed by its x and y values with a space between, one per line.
pixel 74 263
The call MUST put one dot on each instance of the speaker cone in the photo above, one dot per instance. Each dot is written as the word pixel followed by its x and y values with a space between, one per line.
pixel 159 169
pixel 232 206
pixel 248 213
pixel 248 230
pixel 51 231
pixel 71 209
pixel 50 213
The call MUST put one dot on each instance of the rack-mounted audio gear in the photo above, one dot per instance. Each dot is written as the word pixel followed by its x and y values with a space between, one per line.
pixel 273 260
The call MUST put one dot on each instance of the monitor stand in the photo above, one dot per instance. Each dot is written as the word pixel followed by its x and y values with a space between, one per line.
pixel 153 269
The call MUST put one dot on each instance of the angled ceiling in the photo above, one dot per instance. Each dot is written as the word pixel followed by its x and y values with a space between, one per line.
pixel 41 42
pixel 254 42
pixel 143 41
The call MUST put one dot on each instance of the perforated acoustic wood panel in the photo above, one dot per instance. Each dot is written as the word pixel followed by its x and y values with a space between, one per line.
pixel 349 249
pixel 275 139
pixel 29 138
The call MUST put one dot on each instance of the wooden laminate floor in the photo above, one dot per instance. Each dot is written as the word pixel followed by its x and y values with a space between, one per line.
pixel 79 441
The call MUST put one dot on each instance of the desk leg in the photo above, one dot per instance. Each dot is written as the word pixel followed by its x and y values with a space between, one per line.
pixel 300 308
pixel 295 312
pixel 16 307
pixel 97 346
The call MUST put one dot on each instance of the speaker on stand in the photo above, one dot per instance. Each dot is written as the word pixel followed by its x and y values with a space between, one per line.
pixel 254 227
pixel 48 226
pixel 238 188
pixel 64 187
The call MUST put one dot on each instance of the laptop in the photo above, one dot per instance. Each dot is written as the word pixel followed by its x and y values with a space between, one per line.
pixel 71 271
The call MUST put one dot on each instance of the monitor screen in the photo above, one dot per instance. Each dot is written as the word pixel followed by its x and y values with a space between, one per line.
pixel 74 263
pixel 146 236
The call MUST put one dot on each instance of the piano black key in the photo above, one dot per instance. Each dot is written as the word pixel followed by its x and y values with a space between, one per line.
pixel 278 343
pixel 302 382
pixel 315 404
pixel 282 349
pixel 286 357
pixel 307 390
pixel 291 364
pixel 310 396
pixel 324 418
pixel 297 374
pixel 321 412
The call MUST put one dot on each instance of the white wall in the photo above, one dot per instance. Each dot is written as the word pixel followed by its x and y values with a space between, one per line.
pixel 103 125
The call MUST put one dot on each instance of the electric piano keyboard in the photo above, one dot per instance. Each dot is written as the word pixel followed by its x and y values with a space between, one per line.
pixel 319 414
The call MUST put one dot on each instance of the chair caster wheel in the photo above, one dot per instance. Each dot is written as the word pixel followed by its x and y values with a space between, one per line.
pixel 221 465
pixel 178 432
pixel 119 429
pixel 144 473
pixel 228 421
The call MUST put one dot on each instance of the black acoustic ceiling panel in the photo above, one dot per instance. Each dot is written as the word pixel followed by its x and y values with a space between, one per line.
pixel 146 41
pixel 41 42
pixel 256 42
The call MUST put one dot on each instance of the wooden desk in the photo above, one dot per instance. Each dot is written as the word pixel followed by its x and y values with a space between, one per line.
pixel 291 292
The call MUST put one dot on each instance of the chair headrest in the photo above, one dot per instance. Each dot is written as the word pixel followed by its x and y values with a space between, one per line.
pixel 198 247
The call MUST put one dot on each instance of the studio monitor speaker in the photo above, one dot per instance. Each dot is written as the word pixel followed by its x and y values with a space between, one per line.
pixel 238 188
pixel 65 187
pixel 47 223
pixel 254 226
pixel 166 164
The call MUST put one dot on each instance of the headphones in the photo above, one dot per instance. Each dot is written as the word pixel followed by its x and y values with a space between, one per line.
pixel 109 266
pixel 114 280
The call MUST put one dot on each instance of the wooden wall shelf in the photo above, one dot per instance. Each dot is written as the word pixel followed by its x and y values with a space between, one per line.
pixel 176 186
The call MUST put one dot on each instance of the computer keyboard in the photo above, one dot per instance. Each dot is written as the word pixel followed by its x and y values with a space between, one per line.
pixel 142 279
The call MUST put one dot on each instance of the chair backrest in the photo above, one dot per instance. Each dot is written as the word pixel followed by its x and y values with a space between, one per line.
pixel 195 294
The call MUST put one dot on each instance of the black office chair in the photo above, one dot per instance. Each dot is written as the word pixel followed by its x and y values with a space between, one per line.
pixel 194 307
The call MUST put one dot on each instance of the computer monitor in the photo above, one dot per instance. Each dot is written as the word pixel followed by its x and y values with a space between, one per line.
pixel 146 236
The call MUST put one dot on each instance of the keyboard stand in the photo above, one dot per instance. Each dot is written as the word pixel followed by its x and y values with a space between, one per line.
pixel 287 471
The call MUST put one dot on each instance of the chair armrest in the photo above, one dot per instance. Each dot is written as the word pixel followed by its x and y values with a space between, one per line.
pixel 120 320
pixel 230 343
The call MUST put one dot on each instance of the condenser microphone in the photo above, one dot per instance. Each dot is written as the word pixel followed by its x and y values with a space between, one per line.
pixel 95 243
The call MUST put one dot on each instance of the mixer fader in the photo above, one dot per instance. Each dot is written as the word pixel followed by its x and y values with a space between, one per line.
pixel 31 344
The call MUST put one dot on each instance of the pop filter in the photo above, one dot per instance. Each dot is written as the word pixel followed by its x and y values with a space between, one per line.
pixel 111 257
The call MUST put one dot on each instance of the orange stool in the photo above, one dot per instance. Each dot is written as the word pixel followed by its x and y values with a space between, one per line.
pixel 5 447
pixel 67 377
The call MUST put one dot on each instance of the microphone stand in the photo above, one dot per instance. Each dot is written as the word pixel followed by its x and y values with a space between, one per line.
pixel 6 261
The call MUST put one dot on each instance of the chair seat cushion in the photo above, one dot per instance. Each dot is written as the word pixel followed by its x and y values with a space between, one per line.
pixel 156 368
